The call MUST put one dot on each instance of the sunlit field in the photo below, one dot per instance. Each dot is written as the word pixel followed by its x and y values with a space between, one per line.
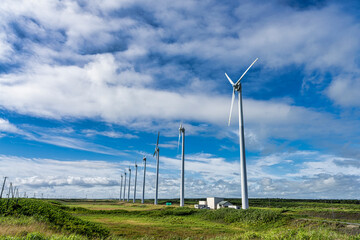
pixel 111 219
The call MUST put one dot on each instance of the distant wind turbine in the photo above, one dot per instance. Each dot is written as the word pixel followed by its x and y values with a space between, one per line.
pixel 12 190
pixel 121 182
pixel 182 187
pixel 124 186
pixel 129 184
pixel 237 87
pixel 135 182
pixel 143 193
pixel 157 153
pixel 3 186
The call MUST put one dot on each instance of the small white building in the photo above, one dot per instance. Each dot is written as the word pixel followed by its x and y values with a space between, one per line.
pixel 201 206
pixel 234 207
pixel 223 204
pixel 213 201
pixel 202 203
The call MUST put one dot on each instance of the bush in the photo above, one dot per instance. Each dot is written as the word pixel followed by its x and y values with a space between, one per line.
pixel 228 215
pixel 52 215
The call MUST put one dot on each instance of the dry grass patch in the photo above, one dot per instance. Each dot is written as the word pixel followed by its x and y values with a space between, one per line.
pixel 22 230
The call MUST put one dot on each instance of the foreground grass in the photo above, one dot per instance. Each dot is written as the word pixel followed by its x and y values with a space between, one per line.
pixel 118 220
pixel 53 216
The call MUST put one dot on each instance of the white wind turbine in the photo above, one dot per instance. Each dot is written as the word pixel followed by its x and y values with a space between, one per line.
pixel 157 153
pixel 121 182
pixel 135 182
pixel 129 184
pixel 182 131
pixel 143 193
pixel 3 186
pixel 124 186
pixel 237 87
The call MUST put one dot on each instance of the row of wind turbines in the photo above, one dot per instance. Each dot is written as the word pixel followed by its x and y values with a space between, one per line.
pixel 237 87
pixel 157 154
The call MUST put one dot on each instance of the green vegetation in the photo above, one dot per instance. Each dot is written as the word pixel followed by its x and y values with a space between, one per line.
pixel 111 219
pixel 53 215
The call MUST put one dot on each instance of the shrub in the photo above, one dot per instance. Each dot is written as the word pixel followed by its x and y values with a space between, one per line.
pixel 228 215
pixel 52 215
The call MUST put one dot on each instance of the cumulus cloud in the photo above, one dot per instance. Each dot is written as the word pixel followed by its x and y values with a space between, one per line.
pixel 206 175
pixel 343 90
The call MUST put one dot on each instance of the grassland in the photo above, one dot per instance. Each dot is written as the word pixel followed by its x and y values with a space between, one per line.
pixel 111 219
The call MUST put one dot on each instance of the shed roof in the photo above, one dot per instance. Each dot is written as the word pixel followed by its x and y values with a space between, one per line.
pixel 224 202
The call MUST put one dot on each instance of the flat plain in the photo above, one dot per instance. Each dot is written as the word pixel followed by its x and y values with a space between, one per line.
pixel 112 219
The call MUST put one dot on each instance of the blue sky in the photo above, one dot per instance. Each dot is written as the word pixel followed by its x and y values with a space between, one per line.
pixel 86 85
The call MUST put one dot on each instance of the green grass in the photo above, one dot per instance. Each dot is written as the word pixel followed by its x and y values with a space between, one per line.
pixel 278 220
pixel 53 215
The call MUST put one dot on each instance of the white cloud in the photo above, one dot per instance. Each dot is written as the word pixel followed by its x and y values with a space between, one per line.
pixel 206 175
pixel 7 127
pixel 344 90
pixel 110 134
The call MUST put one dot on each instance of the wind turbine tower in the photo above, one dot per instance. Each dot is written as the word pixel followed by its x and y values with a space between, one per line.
pixel 124 187
pixel 182 132
pixel 237 87
pixel 11 190
pixel 121 182
pixel 157 152
pixel 143 193
pixel 129 184
pixel 3 186
pixel 135 183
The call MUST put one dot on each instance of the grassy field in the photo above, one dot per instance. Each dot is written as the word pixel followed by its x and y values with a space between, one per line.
pixel 111 219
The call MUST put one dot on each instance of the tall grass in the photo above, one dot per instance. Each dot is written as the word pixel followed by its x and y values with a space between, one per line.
pixel 53 215
pixel 228 215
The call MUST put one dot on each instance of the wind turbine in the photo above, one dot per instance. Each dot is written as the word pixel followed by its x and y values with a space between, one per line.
pixel 3 186
pixel 135 183
pixel 124 187
pixel 11 190
pixel 143 193
pixel 182 131
pixel 237 87
pixel 121 182
pixel 157 152
pixel 129 184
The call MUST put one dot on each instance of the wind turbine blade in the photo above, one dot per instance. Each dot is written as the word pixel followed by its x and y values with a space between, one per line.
pixel 232 83
pixel 246 71
pixel 232 104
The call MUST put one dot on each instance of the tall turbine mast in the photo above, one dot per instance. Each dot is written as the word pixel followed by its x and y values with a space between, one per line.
pixel 121 182
pixel 182 187
pixel 129 184
pixel 237 87
pixel 135 183
pixel 11 190
pixel 143 193
pixel 3 186
pixel 157 153
pixel 124 186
